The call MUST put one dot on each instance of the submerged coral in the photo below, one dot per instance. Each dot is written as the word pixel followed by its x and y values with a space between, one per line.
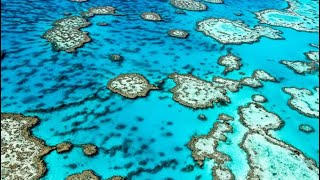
pixel 283 161
pixel 298 16
pixel 304 100
pixel 234 32
pixel 306 128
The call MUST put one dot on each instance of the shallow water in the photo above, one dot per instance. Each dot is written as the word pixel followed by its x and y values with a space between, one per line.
pixel 68 92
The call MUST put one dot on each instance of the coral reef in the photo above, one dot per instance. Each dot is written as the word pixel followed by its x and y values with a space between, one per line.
pixel 130 85
pixel 84 175
pixel 297 16
pixel 231 63
pixel 21 153
pixel 196 93
pixel 304 101
pixel 89 149
pixel 190 5
pixel 151 16
pixel 301 67
pixel 263 76
pixel 66 36
pixel 231 85
pixel 64 147
pixel 205 146
pixel 234 32
pixel 306 128
pixel 116 178
pixel 116 57
pixel 255 117
pixel 178 33
pixel 251 82
pixel 259 98
pixel 282 160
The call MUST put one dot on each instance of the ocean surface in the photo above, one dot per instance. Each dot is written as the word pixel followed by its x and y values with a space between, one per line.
pixel 69 94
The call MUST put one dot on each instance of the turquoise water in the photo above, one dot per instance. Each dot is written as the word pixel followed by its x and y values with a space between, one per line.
pixel 68 91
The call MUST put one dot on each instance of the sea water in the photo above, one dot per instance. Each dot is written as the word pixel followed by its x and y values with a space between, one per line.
pixel 68 92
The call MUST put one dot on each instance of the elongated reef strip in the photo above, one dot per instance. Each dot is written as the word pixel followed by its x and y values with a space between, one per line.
pixel 84 175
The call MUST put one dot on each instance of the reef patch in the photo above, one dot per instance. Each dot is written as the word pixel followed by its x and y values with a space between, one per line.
pixel 235 32
pixel 231 63
pixel 190 5
pixel 306 128
pixel 297 16
pixel 205 146
pixel 178 33
pixel 300 67
pixel 282 160
pixel 193 92
pixel 89 149
pixel 130 85
pixel 66 36
pixel 304 101
pixel 256 117
pixel 21 153
pixel 259 98
pixel 64 147
pixel 84 175
pixel 151 16
pixel 231 85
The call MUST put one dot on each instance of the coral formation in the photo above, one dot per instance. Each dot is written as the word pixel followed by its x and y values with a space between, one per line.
pixel 259 98
pixel 256 117
pixel 151 16
pixel 297 16
pixel 304 100
pixel 231 85
pixel 90 149
pixel 282 160
pixel 84 175
pixel 116 57
pixel 234 32
pixel 178 33
pixel 64 147
pixel 196 93
pixel 21 152
pixel 231 63
pixel 190 5
pixel 130 85
pixel 205 146
pixel 66 36
pixel 306 128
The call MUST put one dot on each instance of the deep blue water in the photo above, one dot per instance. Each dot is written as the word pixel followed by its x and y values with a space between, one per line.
pixel 65 89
